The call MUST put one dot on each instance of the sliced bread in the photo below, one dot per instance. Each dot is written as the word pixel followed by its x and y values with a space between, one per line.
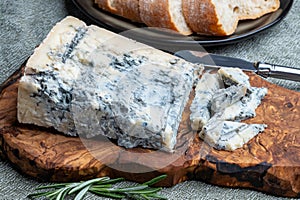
pixel 254 10
pixel 207 17
pixel 164 14
pixel 220 17
pixel 128 9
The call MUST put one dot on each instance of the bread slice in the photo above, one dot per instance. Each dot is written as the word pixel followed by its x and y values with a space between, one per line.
pixel 164 14
pixel 219 17
pixel 128 9
pixel 208 17
pixel 252 10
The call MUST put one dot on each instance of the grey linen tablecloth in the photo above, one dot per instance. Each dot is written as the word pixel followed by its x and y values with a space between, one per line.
pixel 24 24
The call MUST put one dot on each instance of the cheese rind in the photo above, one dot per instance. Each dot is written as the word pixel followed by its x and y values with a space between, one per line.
pixel 90 85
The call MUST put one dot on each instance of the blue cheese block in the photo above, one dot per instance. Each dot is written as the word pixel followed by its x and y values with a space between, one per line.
pixel 229 135
pixel 87 81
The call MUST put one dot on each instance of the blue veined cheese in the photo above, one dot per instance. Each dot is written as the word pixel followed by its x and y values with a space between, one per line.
pixel 234 76
pixel 229 135
pixel 245 108
pixel 55 48
pixel 88 85
pixel 204 91
pixel 223 109
pixel 44 92
pixel 225 97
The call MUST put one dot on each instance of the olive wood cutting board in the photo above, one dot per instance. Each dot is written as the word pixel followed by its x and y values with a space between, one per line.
pixel 270 162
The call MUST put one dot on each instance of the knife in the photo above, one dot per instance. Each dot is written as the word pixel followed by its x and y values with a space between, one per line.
pixel 263 69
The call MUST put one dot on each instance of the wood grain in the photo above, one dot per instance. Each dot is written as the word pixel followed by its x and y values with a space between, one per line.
pixel 269 163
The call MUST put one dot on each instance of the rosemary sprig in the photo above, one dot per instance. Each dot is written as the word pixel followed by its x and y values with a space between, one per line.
pixel 101 187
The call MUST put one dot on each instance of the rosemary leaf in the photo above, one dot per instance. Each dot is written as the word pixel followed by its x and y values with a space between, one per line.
pixel 84 184
pixel 146 191
pixel 128 189
pixel 145 196
pixel 54 194
pixel 81 194
pixel 111 195
pixel 39 194
pixel 155 180
pixel 110 181
pixel 102 186
pixel 63 193
pixel 108 190
pixel 52 198
pixel 52 186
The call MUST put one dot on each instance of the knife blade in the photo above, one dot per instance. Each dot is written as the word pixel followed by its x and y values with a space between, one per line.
pixel 261 68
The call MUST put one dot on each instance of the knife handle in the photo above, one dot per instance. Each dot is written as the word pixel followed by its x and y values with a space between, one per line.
pixel 276 71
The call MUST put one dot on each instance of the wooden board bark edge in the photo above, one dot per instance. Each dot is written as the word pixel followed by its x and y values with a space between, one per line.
pixel 269 163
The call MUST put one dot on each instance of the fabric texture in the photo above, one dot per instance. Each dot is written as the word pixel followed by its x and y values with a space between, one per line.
pixel 24 24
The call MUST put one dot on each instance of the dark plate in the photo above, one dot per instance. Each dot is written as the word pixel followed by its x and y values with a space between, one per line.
pixel 117 24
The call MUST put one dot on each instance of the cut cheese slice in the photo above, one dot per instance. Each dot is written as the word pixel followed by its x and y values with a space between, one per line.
pixel 223 98
pixel 234 76
pixel 217 110
pixel 229 135
pixel 245 108
pixel 204 92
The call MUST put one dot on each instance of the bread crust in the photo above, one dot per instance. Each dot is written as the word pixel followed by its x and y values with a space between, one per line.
pixel 106 5
pixel 155 13
pixel 129 9
pixel 201 16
